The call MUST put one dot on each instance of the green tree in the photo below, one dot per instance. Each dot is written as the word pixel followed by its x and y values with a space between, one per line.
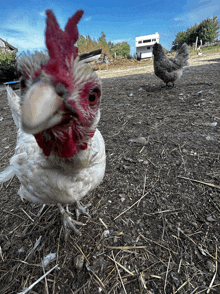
pixel 110 44
pixel 122 49
pixel 207 31
pixel 88 39
pixel 102 39
pixel 191 34
pixel 179 40
pixel 86 44
pixel 8 66
pixel 81 41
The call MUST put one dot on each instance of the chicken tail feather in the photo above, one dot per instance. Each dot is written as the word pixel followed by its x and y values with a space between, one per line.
pixel 183 55
pixel 7 174
pixel 14 104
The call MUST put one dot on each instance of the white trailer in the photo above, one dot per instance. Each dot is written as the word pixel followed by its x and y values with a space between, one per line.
pixel 144 45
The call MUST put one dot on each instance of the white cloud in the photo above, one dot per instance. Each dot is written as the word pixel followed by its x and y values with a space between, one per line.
pixel 121 40
pixel 197 11
pixel 24 32
pixel 42 13
pixel 88 18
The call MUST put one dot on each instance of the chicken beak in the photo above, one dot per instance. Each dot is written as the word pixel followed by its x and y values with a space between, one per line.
pixel 40 108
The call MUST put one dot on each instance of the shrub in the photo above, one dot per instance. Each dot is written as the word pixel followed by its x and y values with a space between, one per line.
pixel 8 66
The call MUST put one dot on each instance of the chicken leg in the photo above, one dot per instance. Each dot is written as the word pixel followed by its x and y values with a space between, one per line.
pixel 69 222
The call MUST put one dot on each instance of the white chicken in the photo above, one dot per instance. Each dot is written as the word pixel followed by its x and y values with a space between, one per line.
pixel 60 153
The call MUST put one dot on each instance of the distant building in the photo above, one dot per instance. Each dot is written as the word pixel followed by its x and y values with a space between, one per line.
pixel 5 46
pixel 144 45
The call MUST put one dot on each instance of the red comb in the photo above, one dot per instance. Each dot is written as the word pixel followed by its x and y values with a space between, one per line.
pixel 62 42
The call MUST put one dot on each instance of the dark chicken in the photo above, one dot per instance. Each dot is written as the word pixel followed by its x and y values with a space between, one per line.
pixel 169 69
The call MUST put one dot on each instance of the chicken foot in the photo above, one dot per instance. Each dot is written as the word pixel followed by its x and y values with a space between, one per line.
pixel 170 86
pixel 81 209
pixel 69 222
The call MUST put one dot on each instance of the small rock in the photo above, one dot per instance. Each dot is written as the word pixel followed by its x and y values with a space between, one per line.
pixel 127 239
pixel 21 250
pixel 48 259
pixel 209 138
pixel 106 233
pixel 200 92
pixel 7 246
pixel 211 266
pixel 140 140
pixel 79 261
pixel 210 219
pixel 214 124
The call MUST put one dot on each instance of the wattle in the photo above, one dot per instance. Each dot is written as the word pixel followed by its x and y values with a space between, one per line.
pixel 66 147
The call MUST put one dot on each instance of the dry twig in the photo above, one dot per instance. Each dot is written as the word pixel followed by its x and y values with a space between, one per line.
pixel 165 283
pixel 216 269
pixel 130 273
pixel 119 273
pixel 204 183
pixel 138 201
pixel 41 278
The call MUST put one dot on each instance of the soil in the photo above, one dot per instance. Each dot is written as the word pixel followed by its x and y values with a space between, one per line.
pixel 155 225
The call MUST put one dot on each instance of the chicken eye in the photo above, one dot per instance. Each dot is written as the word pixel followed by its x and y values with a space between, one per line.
pixel 22 83
pixel 94 96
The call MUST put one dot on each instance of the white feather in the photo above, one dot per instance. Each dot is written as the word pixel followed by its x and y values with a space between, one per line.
pixel 53 179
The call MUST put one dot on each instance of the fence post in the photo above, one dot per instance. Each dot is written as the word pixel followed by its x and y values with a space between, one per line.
pixel 196 43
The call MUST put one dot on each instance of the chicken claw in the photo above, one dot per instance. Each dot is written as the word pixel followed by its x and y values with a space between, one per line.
pixel 69 222
pixel 81 209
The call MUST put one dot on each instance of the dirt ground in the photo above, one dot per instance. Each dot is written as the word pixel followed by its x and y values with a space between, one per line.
pixel 155 218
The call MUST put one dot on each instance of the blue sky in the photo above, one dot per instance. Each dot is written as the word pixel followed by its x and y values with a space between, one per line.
pixel 23 22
